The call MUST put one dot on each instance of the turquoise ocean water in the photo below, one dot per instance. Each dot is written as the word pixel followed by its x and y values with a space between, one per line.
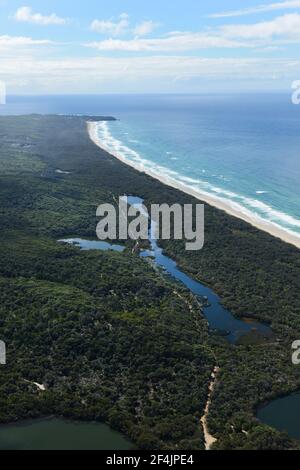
pixel 241 148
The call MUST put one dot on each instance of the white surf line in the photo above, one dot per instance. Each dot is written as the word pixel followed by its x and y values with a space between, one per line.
pixel 231 207
pixel 208 438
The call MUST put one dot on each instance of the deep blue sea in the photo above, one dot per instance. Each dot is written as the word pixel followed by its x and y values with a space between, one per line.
pixel 242 148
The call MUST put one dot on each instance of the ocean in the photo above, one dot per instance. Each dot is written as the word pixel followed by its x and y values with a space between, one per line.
pixel 242 149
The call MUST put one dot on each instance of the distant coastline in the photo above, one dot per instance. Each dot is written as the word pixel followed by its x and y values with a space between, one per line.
pixel 230 208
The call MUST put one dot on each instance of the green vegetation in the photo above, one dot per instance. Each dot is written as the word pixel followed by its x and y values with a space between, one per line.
pixel 101 330
pixel 104 331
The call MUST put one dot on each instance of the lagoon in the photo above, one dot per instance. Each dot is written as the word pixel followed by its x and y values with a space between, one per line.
pixel 87 245
pixel 60 434
pixel 283 414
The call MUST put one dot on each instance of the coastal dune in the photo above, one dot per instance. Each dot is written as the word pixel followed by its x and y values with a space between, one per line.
pixel 230 208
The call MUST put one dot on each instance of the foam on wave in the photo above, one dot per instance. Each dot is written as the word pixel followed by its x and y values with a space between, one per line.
pixel 252 208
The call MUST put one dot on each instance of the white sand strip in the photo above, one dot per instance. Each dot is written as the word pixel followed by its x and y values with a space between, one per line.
pixel 228 207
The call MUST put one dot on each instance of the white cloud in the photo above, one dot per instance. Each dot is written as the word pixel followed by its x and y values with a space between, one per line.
pixel 290 4
pixel 286 27
pixel 282 29
pixel 173 43
pixel 8 42
pixel 122 26
pixel 26 15
pixel 115 28
pixel 36 75
pixel 144 28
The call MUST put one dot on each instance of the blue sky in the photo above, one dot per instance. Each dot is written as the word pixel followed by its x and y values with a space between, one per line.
pixel 64 46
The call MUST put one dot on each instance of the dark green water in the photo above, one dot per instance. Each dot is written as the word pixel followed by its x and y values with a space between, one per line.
pixel 58 434
pixel 283 414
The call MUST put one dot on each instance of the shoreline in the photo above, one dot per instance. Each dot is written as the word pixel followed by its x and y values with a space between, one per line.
pixel 216 202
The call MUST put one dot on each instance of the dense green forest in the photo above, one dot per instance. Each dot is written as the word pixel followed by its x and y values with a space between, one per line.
pixel 112 338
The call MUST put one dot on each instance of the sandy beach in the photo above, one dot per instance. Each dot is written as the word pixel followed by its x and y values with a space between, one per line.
pixel 229 207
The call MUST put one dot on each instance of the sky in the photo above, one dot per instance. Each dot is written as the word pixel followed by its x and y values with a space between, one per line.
pixel 157 46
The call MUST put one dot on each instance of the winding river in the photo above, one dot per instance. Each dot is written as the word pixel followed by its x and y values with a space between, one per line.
pixel 219 318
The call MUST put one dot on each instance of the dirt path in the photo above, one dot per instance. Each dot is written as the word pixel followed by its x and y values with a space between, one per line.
pixel 208 438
